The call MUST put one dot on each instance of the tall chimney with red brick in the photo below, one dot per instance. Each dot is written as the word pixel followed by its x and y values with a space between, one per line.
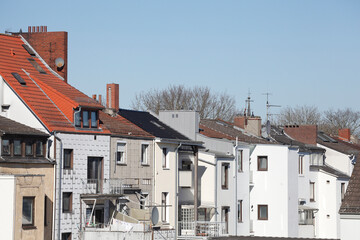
pixel 302 133
pixel 50 46
pixel 112 96
pixel 344 134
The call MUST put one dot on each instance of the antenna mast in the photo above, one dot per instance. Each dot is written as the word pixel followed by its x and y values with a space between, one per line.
pixel 248 101
pixel 268 106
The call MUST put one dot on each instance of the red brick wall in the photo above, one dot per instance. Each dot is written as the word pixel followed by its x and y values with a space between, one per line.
pixel 239 121
pixel 112 96
pixel 302 133
pixel 344 134
pixel 50 46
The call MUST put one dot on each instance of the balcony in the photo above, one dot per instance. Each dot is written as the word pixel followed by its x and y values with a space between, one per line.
pixel 203 228
pixel 185 178
pixel 102 186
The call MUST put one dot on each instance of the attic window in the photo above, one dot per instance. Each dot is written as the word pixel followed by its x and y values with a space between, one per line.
pixel 19 78
pixel 156 124
pixel 29 50
pixel 36 66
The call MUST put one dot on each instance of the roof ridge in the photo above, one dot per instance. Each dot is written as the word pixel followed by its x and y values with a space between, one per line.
pixel 217 130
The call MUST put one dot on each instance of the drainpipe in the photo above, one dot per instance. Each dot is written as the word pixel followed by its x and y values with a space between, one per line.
pixel 196 185
pixel 154 175
pixel 60 182
pixel 236 190
pixel 176 189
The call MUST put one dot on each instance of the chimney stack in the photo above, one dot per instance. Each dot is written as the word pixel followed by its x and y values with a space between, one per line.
pixel 302 133
pixel 100 99
pixel 250 124
pixel 112 96
pixel 344 134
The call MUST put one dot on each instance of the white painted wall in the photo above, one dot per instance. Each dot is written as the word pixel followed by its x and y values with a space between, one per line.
pixel 350 227
pixel 207 179
pixel 7 206
pixel 338 160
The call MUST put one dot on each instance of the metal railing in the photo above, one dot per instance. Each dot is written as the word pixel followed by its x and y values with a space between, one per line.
pixel 103 186
pixel 203 228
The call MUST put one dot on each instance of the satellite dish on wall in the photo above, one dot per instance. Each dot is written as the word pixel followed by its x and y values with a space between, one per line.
pixel 59 62
pixel 154 216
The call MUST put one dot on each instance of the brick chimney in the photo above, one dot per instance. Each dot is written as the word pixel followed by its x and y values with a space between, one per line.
pixel 240 121
pixel 112 96
pixel 249 124
pixel 49 45
pixel 302 133
pixel 344 134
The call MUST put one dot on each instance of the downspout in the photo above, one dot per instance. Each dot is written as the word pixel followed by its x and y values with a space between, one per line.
pixel 176 189
pixel 154 174
pixel 54 193
pixel 60 178
pixel 236 179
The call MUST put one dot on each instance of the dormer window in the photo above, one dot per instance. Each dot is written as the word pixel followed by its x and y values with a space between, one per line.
pixel 86 119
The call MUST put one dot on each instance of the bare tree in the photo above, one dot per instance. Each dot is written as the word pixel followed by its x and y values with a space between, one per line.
pixel 201 99
pixel 333 120
pixel 302 115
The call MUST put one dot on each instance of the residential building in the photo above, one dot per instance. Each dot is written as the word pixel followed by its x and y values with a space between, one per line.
pixel 27 179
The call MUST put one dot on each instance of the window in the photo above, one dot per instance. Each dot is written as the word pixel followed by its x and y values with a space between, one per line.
pixel 94 120
pixel 239 213
pixel 186 165
pixel 240 160
pixel 312 192
pixel 19 78
pixel 68 158
pixel 306 217
pixel 66 236
pixel 120 153
pixel 165 158
pixel 77 119
pixel 28 211
pixel 39 148
pixel 342 191
pixel 94 169
pixel 17 147
pixel 85 118
pixel 301 164
pixel 29 148
pixel 164 203
pixel 262 163
pixel 67 202
pixel 224 175
pixel 144 153
pixel 5 150
pixel 262 212
pixel 225 217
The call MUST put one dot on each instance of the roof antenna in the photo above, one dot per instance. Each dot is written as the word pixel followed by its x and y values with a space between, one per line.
pixel 248 101
pixel 268 114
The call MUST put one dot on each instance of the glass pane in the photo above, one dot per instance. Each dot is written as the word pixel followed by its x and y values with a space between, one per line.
pixel 5 147
pixel 39 148
pixel 120 157
pixel 78 119
pixel 263 212
pixel 17 147
pixel 93 120
pixel 27 212
pixel 29 148
pixel 240 160
pixel 144 153
pixel 67 158
pixel 263 163
pixel 85 119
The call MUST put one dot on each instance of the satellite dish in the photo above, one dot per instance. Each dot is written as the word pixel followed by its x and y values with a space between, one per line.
pixel 154 216
pixel 59 62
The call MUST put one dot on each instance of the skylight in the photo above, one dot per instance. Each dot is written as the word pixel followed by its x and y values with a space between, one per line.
pixel 19 78
pixel 28 49
pixel 36 66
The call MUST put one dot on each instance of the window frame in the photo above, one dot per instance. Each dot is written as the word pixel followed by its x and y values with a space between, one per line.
pixel 258 163
pixel 92 121
pixel 27 142
pixel 66 236
pixel 42 154
pixel 241 160
pixel 240 211
pixel 2 147
pixel 225 176
pixel 301 165
pixel 69 196
pixel 32 223
pixel 165 158
pixel 312 192
pixel 144 160
pixel 259 211
pixel 123 153
pixel 71 162
pixel 21 143
pixel 164 203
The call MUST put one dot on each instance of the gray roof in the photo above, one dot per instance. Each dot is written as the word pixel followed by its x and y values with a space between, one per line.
pixel 8 126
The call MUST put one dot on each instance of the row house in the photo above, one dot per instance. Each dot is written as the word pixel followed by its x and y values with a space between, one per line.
pixel 35 95
pixel 27 179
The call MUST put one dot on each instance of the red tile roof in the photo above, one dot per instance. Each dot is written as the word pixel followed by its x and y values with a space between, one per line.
pixel 50 98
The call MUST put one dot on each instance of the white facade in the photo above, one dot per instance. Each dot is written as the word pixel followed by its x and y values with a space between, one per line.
pixel 349 226
pixel 7 206
pixel 338 160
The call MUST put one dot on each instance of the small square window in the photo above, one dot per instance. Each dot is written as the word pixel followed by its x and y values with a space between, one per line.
pixel 68 158
pixel 262 163
pixel 67 202
pixel 262 212
pixel 28 211
pixel 66 236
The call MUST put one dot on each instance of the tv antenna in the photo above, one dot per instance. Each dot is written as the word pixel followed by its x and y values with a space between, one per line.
pixel 247 102
pixel 268 106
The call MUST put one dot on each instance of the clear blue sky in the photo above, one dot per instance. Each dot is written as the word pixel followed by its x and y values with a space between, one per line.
pixel 303 52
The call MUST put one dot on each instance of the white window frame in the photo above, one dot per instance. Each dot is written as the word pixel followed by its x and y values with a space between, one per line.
pixel 124 157
pixel 144 159
pixel 301 165
pixel 165 158
pixel 240 160
pixel 312 192
pixel 165 208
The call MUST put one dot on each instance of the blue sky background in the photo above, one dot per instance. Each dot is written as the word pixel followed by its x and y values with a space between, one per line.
pixel 303 52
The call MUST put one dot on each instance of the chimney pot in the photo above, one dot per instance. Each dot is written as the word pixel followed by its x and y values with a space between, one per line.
pixel 41 28
pixel 29 29
pixel 45 28
pixel 94 96
pixel 37 28
pixel 112 96
pixel 100 99
pixel 33 28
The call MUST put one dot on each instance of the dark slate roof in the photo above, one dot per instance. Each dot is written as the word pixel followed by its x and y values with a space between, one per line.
pixel 337 144
pixel 329 169
pixel 215 128
pixel 8 126
pixel 351 201
pixel 278 135
pixel 26 160
pixel 151 124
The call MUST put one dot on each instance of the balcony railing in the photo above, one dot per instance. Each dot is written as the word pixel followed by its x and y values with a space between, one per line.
pixel 103 186
pixel 203 228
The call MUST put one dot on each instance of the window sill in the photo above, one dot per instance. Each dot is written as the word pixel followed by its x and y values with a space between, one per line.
pixel 145 164
pixel 67 212
pixel 166 168
pixel 28 227
pixel 121 164
pixel 312 200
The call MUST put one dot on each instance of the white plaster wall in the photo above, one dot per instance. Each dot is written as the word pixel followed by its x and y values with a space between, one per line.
pixel 271 188
pixel 7 206
pixel 339 201
pixel 219 145
pixel 304 179
pixel 293 193
pixel 84 146
pixel 207 180
pixel 18 110
pixel 242 188
pixel 350 227
pixel 338 160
